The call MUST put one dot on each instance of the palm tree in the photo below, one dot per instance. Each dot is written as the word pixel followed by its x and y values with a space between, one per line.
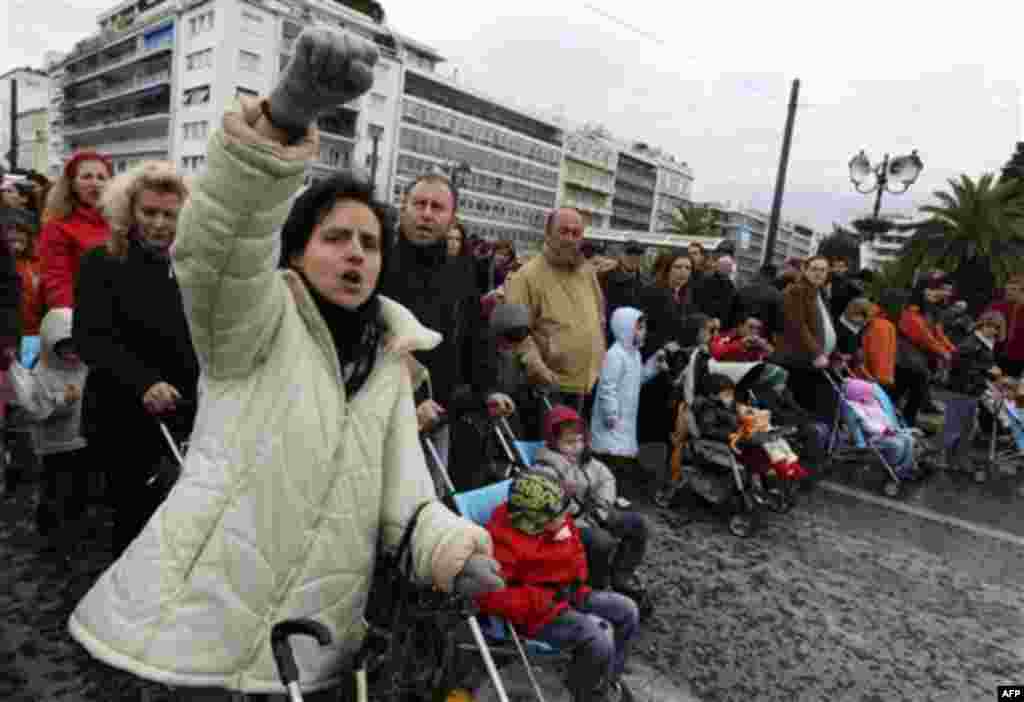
pixel 976 231
pixel 692 222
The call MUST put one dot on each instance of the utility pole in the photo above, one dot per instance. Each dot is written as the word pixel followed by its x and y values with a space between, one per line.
pixel 780 179
pixel 12 155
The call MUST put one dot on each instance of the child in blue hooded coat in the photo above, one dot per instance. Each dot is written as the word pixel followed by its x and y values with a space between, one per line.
pixel 617 403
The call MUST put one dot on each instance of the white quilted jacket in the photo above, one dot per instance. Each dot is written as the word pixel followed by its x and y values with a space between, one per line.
pixel 286 482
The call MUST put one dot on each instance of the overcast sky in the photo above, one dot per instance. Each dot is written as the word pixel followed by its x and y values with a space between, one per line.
pixel 709 81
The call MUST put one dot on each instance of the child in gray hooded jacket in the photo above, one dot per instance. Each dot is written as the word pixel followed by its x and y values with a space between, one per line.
pixel 51 394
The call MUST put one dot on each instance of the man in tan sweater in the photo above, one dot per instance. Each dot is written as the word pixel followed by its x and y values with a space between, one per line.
pixel 566 345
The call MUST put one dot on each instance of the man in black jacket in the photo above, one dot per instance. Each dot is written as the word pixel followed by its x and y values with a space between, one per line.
pixel 442 293
pixel 626 285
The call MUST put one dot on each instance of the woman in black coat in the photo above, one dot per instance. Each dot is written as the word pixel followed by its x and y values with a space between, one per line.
pixel 130 329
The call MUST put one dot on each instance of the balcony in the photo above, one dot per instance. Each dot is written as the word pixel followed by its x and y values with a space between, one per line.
pixel 138 116
pixel 586 204
pixel 109 36
pixel 122 88
pixel 126 122
pixel 636 180
pixel 590 183
pixel 122 59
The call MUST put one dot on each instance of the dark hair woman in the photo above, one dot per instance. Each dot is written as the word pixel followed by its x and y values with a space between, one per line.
pixel 808 339
pixel 305 450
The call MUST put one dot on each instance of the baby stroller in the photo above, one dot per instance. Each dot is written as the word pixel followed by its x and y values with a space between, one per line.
pixel 711 469
pixel 995 414
pixel 521 456
pixel 848 441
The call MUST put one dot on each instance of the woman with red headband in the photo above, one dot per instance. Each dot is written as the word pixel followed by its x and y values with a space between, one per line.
pixel 75 225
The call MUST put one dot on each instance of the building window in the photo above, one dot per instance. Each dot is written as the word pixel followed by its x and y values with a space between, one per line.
pixel 158 39
pixel 193 163
pixel 195 130
pixel 199 95
pixel 200 24
pixel 252 23
pixel 199 59
pixel 248 61
pixel 240 91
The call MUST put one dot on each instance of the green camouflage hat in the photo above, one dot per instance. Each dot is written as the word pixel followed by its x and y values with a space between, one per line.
pixel 533 501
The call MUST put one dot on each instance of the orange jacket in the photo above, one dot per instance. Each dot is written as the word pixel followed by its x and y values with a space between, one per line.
pixel 927 337
pixel 879 344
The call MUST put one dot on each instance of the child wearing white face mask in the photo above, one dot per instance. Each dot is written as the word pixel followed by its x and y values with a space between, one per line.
pixel 615 538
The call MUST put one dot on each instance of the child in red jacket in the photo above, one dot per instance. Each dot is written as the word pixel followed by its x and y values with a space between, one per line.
pixel 745 344
pixel 543 562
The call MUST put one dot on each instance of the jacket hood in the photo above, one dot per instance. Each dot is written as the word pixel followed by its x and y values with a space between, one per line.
pixel 558 416
pixel 56 327
pixel 624 325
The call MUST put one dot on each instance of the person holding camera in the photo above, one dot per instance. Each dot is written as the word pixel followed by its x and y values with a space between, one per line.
pixel 744 344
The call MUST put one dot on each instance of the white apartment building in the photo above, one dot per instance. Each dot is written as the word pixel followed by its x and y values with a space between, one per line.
pixel 153 82
pixel 747 229
pixel 514 157
pixel 33 98
pixel 673 190
pixel 885 247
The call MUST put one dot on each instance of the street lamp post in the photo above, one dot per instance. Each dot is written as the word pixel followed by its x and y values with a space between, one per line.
pixel 376 132
pixel 866 179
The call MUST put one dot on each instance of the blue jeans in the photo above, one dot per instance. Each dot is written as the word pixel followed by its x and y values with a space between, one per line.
pixel 598 632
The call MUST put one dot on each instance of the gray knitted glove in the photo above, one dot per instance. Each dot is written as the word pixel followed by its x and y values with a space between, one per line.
pixel 480 575
pixel 329 68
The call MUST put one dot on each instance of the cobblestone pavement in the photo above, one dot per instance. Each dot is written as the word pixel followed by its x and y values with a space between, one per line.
pixel 839 600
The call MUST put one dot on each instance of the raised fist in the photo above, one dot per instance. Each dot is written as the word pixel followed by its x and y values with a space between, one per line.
pixel 330 67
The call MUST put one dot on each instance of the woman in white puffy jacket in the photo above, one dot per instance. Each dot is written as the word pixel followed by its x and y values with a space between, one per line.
pixel 305 450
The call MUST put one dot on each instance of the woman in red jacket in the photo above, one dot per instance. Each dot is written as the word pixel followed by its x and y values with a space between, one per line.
pixel 74 225
pixel 1011 351
pixel 544 564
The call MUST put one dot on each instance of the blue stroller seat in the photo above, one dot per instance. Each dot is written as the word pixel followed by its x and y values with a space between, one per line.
pixel 528 450
pixel 478 505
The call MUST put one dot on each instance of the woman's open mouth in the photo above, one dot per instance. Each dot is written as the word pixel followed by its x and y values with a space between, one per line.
pixel 352 281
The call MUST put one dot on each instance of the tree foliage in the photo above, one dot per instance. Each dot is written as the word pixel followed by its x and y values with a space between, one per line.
pixel 1014 168
pixel 692 221
pixel 972 221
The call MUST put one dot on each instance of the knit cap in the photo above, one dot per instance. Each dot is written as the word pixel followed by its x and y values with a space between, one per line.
pixel 533 501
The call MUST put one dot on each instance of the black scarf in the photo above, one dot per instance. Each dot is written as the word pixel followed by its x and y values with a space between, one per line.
pixel 356 334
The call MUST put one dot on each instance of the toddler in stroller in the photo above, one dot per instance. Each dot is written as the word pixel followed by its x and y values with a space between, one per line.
pixel 895 444
pixel 718 440
pixel 615 537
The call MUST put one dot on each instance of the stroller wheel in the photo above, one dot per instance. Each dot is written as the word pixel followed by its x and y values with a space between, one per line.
pixel 742 524
pixel 892 489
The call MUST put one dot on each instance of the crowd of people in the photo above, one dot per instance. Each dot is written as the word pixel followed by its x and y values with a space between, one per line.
pixel 299 341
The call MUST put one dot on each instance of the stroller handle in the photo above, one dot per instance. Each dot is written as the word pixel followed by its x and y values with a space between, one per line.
pixel 284 656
